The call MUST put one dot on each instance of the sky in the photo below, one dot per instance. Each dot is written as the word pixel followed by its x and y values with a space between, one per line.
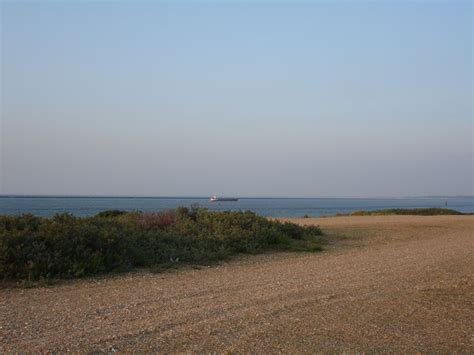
pixel 282 99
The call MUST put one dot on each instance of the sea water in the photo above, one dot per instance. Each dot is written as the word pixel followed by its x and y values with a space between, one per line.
pixel 272 207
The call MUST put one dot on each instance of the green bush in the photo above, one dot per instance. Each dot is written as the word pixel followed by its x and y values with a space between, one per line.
pixel 408 211
pixel 110 213
pixel 65 246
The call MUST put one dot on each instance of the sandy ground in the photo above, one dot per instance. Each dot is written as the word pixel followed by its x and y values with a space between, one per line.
pixel 396 283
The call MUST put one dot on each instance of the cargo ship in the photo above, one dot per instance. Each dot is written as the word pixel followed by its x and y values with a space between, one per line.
pixel 214 198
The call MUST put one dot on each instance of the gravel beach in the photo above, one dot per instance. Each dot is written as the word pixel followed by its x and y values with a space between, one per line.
pixel 383 283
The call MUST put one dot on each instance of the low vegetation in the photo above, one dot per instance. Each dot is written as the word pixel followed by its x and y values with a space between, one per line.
pixel 405 211
pixel 33 248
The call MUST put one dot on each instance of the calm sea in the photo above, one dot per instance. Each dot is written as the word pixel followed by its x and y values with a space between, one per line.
pixel 275 207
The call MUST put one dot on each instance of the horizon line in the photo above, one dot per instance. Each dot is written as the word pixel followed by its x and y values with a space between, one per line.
pixel 207 197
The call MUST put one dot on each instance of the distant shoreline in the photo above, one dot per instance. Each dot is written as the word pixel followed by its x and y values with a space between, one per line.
pixel 243 198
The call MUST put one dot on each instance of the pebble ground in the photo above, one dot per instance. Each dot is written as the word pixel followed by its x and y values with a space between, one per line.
pixel 383 284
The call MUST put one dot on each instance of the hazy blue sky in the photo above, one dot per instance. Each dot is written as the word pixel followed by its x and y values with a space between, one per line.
pixel 249 99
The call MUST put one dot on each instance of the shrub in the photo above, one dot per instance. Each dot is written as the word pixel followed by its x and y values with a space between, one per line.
pixel 159 220
pixel 408 211
pixel 110 213
pixel 66 246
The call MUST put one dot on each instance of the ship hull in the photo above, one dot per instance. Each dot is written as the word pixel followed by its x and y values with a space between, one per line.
pixel 224 199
